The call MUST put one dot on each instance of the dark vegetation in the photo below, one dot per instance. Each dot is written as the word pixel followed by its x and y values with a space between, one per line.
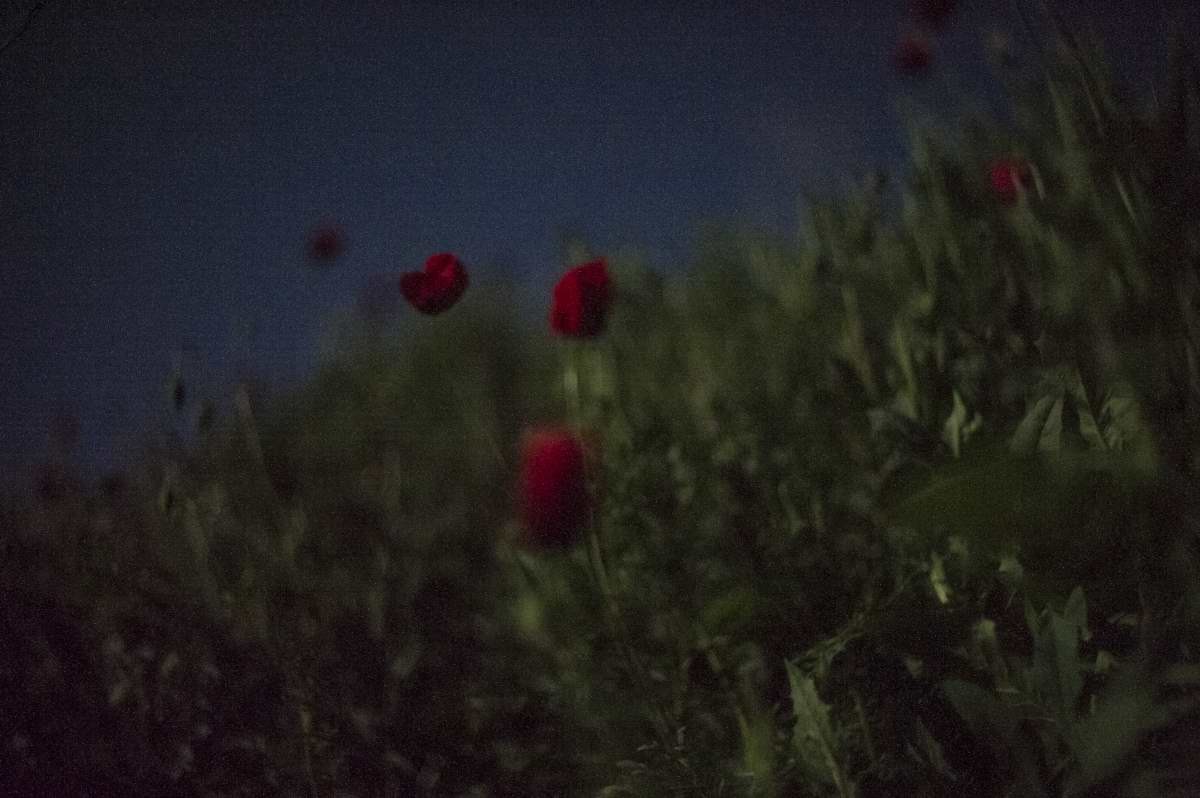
pixel 904 507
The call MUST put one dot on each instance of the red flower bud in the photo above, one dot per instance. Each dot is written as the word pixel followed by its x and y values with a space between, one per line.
pixel 913 55
pixel 438 287
pixel 553 488
pixel 1008 178
pixel 581 301
pixel 326 243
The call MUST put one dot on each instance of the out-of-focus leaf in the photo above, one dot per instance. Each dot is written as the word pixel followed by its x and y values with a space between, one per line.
pixel 932 751
pixel 1075 612
pixel 986 648
pixel 1057 668
pixel 758 747
pixel 818 659
pixel 1010 572
pixel 729 609
pixel 813 733
pixel 1088 428
pixel 1051 438
pixel 937 578
pixel 997 725
pixel 1120 419
pixel 1045 505
pixel 959 426
pixel 1031 431
pixel 1106 743
pixel 976 498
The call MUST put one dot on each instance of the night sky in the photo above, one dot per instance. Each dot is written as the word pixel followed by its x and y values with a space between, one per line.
pixel 162 164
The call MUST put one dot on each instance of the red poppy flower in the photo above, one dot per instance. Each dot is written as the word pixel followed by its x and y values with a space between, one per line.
pixel 913 55
pixel 934 13
pixel 1008 178
pixel 438 287
pixel 553 488
pixel 581 301
pixel 326 243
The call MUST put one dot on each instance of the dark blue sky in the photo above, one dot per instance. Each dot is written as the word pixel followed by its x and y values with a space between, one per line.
pixel 161 164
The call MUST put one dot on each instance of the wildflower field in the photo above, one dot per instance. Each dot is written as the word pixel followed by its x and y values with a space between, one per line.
pixel 902 506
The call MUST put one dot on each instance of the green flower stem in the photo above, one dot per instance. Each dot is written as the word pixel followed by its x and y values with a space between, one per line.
pixel 571 386
pixel 482 423
pixel 596 560
pixel 704 642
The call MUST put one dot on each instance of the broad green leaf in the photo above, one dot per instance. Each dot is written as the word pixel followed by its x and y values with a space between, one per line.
pixel 1046 506
pixel 980 497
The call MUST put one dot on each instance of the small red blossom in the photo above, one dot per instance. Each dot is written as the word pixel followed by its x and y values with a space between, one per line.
pixel 934 13
pixel 581 301
pixel 438 287
pixel 553 492
pixel 326 243
pixel 1008 177
pixel 913 55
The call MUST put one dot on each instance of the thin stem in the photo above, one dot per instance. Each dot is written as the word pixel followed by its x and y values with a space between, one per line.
pixel 241 400
pixel 571 386
pixel 718 669
pixel 598 568
pixel 304 715
pixel 866 729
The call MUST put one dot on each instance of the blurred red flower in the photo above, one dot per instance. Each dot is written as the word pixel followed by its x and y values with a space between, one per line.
pixel 1008 176
pixel 581 301
pixel 912 56
pixel 326 243
pixel 438 287
pixel 934 13
pixel 553 488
